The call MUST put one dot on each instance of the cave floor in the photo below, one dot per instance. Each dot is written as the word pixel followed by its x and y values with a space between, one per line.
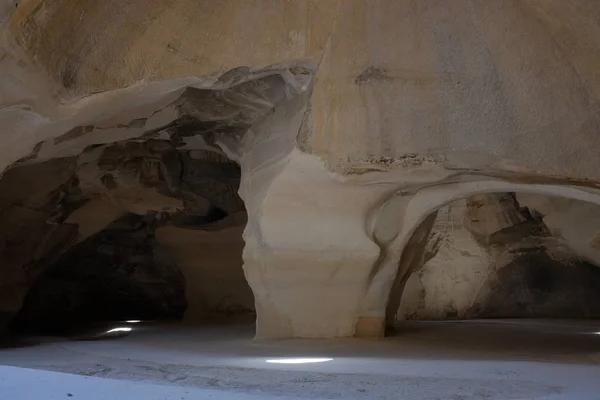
pixel 506 359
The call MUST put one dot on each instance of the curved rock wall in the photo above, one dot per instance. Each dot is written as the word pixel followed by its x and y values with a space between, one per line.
pixel 489 257
pixel 117 274
pixel 396 78
pixel 128 209
pixel 34 204
pixel 396 108
pixel 211 261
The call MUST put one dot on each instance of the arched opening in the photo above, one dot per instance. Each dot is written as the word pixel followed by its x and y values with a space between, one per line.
pixel 151 232
pixel 503 255
pixel 137 214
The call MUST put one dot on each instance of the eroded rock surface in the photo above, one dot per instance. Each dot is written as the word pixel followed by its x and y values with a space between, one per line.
pixel 101 211
pixel 351 122
pixel 34 204
pixel 115 275
pixel 491 257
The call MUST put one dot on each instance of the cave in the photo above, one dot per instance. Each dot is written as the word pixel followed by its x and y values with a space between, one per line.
pixel 160 238
pixel 199 197
pixel 505 256
pixel 139 215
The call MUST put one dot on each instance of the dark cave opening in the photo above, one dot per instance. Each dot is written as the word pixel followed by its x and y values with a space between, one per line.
pixel 173 245
pixel 117 274
pixel 157 172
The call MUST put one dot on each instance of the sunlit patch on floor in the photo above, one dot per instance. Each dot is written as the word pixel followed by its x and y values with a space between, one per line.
pixel 120 329
pixel 298 360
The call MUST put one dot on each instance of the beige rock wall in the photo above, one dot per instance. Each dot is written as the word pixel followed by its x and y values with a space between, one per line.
pixel 448 283
pixel 474 239
pixel 440 79
pixel 575 223
pixel 367 116
pixel 211 262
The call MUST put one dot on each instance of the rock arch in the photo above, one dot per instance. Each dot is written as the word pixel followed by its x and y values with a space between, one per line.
pixel 415 210
pixel 251 117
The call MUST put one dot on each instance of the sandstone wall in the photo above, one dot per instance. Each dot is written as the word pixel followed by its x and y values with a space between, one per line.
pixel 211 262
pixel 351 120
pixel 543 268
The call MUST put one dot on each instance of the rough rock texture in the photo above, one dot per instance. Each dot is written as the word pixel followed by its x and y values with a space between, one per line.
pixel 211 261
pixel 352 121
pixel 118 270
pixel 446 285
pixel 34 204
pixel 117 274
pixel 575 223
pixel 491 257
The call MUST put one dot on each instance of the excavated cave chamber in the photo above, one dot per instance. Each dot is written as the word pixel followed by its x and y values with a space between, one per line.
pixel 135 214
pixel 154 233
pixel 506 255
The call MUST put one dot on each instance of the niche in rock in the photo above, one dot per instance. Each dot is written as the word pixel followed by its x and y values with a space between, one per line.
pixel 151 165
pixel 507 255
pixel 159 238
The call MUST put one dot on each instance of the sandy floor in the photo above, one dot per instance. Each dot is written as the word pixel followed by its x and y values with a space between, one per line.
pixel 458 361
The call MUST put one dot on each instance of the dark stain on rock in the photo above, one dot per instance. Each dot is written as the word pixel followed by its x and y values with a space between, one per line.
pixel 234 75
pixel 535 285
pixel 108 180
pixel 376 75
pixel 136 123
pixel 33 155
pixel 68 76
pixel 523 230
pixel 74 133
pixel 304 138
pixel 373 75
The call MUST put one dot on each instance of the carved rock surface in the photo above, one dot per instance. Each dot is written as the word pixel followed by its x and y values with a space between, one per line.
pixel 490 257
pixel 349 121
pixel 115 275
pixel 100 211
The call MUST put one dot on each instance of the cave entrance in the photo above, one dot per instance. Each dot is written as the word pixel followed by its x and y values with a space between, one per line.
pixel 154 168
pixel 504 256
pixel 130 231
